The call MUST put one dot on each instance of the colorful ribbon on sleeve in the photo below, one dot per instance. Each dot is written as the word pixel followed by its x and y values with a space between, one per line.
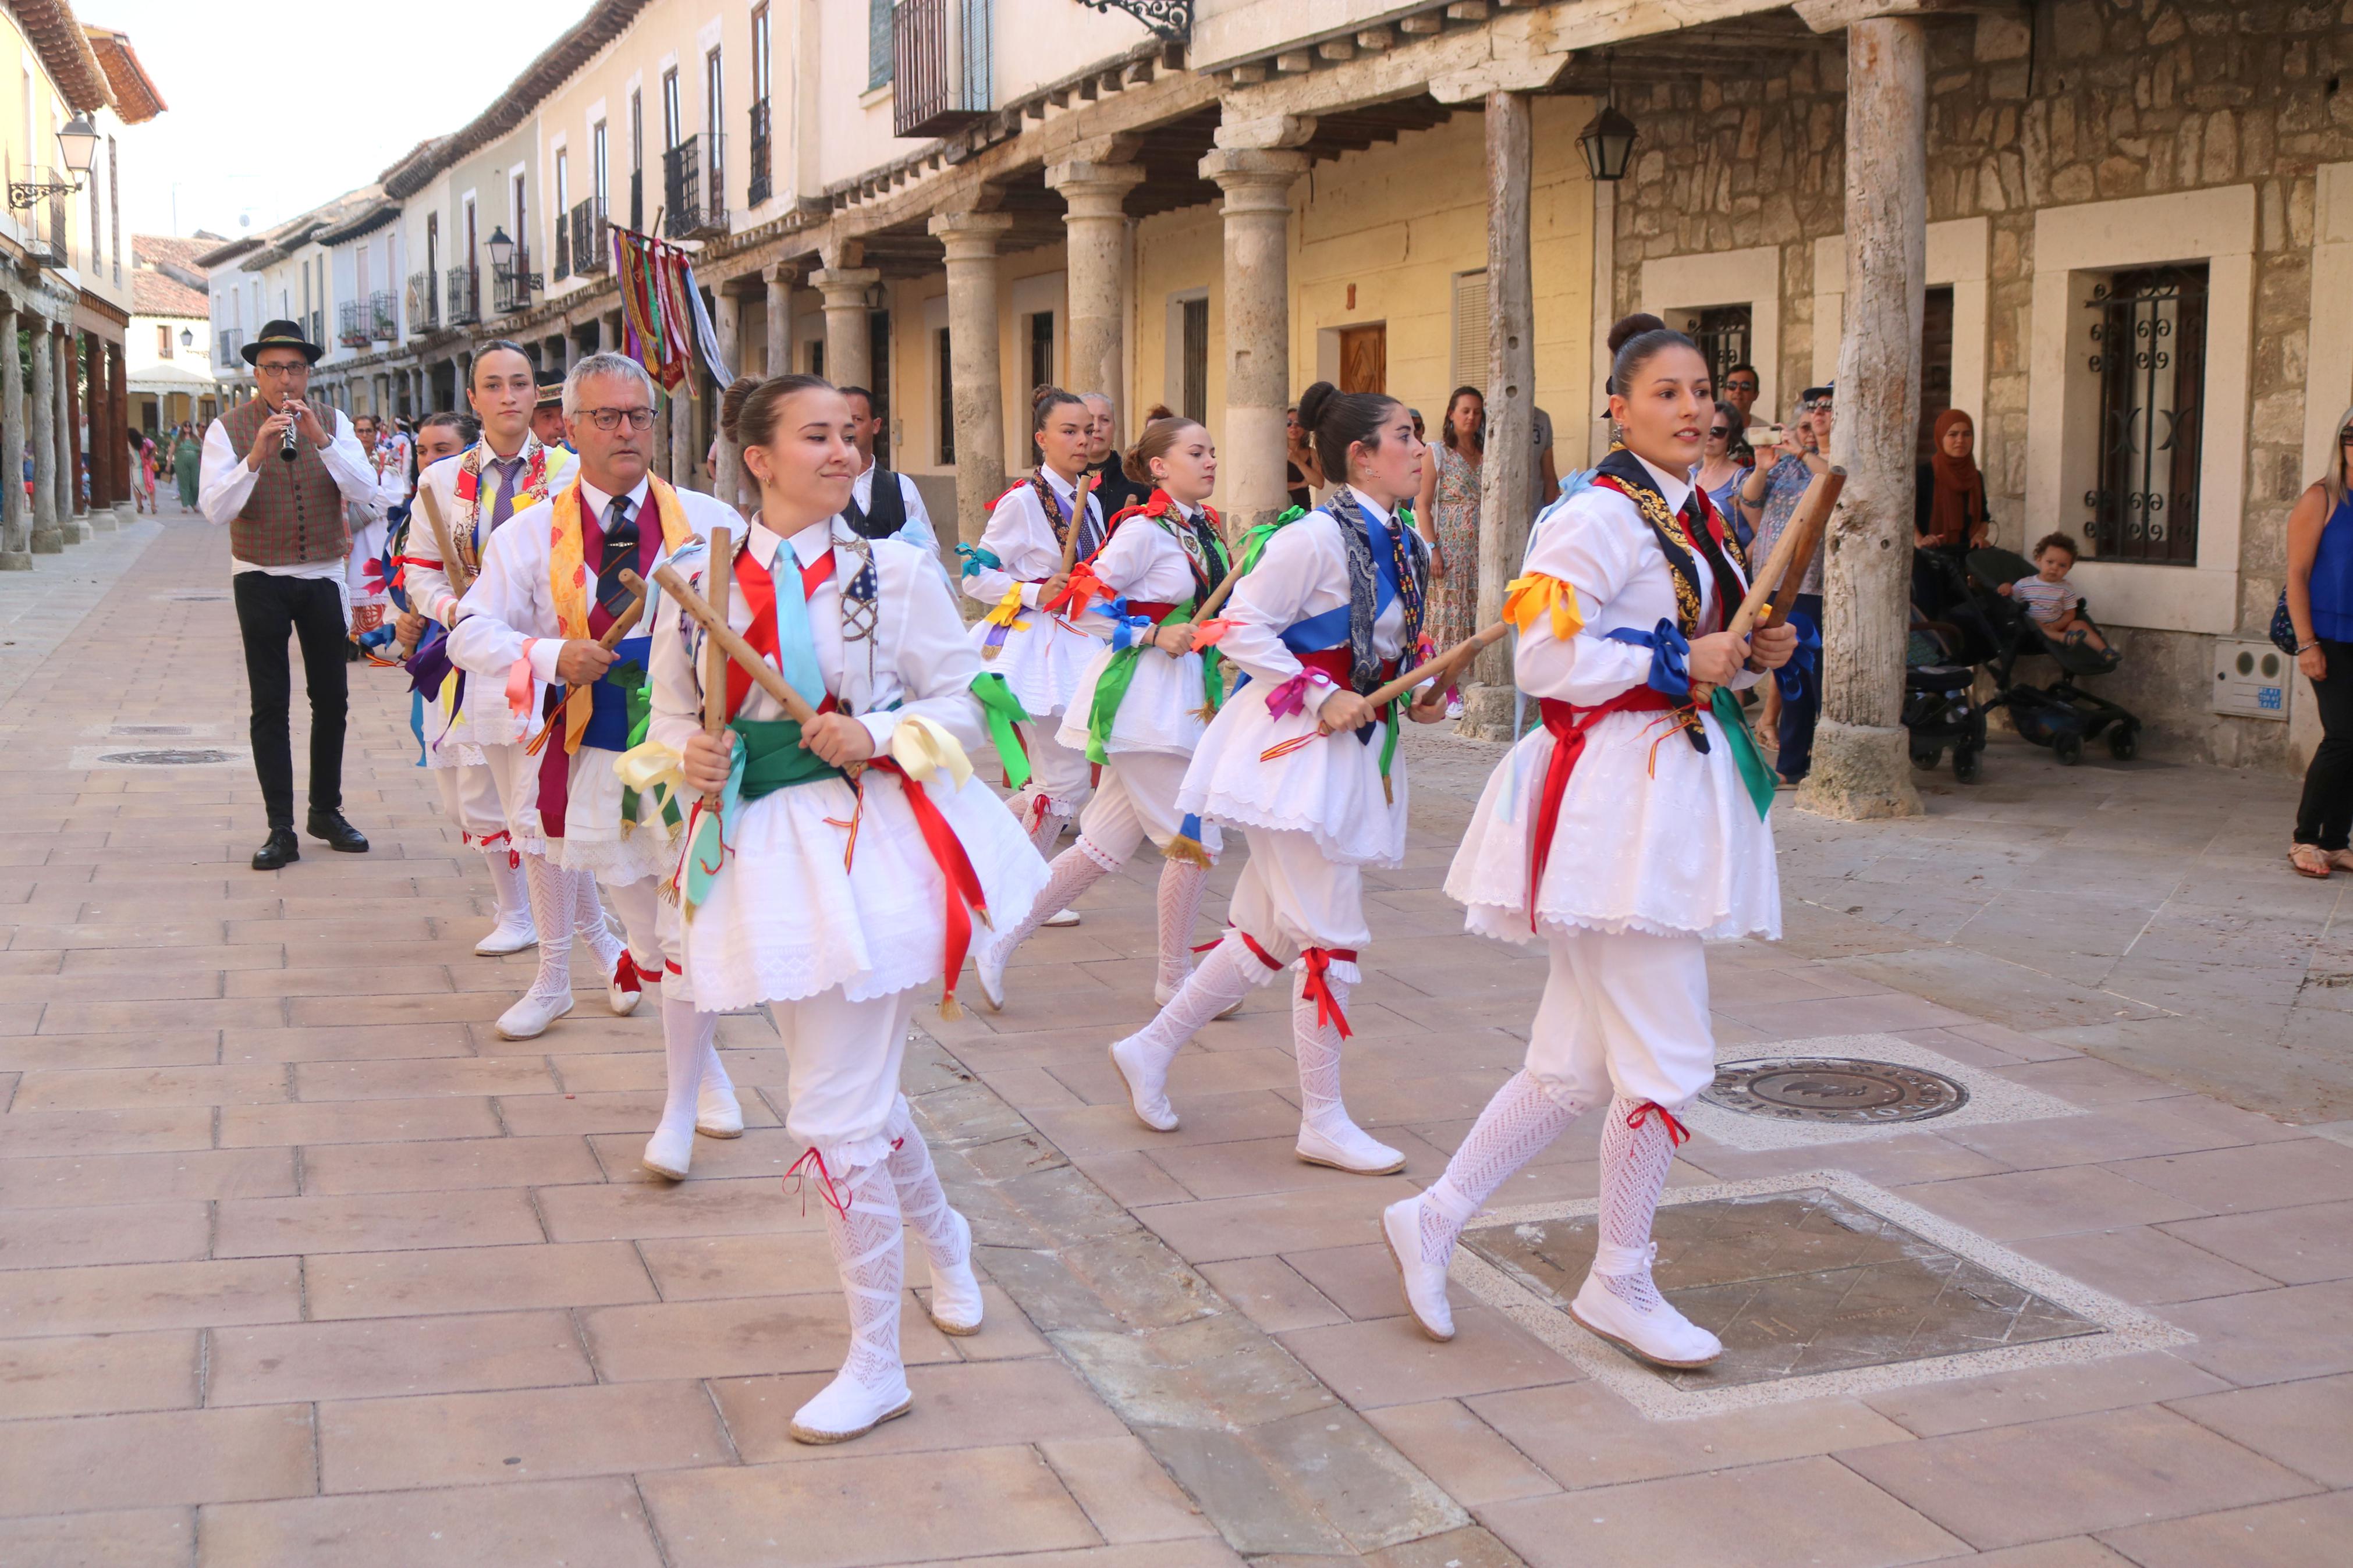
pixel 1670 673
pixel 976 560
pixel 1536 598
pixel 1791 677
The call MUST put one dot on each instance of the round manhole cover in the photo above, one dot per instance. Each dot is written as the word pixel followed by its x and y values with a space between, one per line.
pixel 166 759
pixel 1834 1089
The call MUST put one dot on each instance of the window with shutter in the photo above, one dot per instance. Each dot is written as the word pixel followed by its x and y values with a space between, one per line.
pixel 1470 363
pixel 878 42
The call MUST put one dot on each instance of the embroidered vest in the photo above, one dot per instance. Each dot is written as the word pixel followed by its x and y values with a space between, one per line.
pixel 886 508
pixel 295 513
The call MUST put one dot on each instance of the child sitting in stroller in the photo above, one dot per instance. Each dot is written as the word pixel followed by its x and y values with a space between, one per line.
pixel 2051 600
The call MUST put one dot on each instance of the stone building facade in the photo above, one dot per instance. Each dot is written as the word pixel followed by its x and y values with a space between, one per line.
pixel 2131 123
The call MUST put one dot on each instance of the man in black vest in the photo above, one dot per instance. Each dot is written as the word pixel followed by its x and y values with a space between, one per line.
pixel 883 505
pixel 278 473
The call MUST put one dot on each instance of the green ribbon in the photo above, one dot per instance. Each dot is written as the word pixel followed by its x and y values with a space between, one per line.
pixel 631 678
pixel 1753 772
pixel 773 758
pixel 1254 541
pixel 1002 710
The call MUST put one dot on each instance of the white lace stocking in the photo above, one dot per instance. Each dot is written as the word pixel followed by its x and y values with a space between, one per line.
pixel 1223 979
pixel 1634 1164
pixel 1182 883
pixel 550 911
pixel 589 922
pixel 1072 873
pixel 1318 1046
pixel 1049 825
pixel 508 883
pixel 687 1049
pixel 922 1202
pixel 1518 1124
pixel 866 1249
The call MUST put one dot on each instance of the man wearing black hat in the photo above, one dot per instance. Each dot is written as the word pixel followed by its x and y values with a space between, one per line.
pixel 547 418
pixel 278 473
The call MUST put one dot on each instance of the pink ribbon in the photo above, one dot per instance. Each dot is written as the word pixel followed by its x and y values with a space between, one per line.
pixel 1292 696
pixel 519 682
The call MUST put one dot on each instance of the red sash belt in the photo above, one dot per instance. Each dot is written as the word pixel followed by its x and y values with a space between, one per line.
pixel 964 891
pixel 1150 608
pixel 1569 725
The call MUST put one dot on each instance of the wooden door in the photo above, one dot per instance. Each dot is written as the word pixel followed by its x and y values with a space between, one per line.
pixel 1365 358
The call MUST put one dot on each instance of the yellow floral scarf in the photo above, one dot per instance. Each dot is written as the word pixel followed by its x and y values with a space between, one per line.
pixel 567 579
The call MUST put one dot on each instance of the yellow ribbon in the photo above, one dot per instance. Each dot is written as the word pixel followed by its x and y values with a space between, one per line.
pixel 1528 599
pixel 1009 609
pixel 655 770
pixel 924 748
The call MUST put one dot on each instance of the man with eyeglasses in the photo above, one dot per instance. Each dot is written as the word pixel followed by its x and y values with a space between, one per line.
pixel 471 727
pixel 283 503
pixel 1740 384
pixel 551 587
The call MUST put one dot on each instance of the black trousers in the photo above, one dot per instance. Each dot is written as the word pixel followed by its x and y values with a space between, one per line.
pixel 2326 815
pixel 269 609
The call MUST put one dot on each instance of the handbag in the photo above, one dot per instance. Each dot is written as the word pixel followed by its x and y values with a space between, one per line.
pixel 2284 628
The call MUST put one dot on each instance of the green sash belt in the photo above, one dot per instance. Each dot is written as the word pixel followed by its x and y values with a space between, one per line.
pixel 775 759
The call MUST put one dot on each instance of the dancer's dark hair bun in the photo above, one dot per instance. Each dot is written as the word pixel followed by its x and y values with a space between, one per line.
pixel 1339 420
pixel 1162 430
pixel 1044 399
pixel 1633 326
pixel 1314 401
pixel 1634 342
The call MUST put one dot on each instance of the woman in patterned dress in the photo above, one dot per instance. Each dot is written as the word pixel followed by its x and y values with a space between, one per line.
pixel 1451 526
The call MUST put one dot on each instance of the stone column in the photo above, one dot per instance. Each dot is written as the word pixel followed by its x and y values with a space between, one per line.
pixel 70 521
pixel 727 318
pixel 49 537
pixel 1257 185
pixel 608 336
pixel 16 529
pixel 970 239
pixel 779 281
pixel 1505 482
pixel 1096 226
pixel 685 436
pixel 1862 766
pixel 848 341
pixel 118 401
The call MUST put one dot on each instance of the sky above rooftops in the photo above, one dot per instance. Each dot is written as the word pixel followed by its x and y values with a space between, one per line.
pixel 348 90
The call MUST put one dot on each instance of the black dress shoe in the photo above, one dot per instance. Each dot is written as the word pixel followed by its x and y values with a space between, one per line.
pixel 339 835
pixel 279 850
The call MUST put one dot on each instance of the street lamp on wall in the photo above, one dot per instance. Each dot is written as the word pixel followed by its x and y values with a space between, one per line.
pixel 77 145
pixel 1608 140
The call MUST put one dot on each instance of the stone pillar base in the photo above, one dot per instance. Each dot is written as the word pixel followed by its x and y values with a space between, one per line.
pixel 103 520
pixel 50 542
pixel 1860 772
pixel 16 560
pixel 127 512
pixel 1487 713
pixel 77 531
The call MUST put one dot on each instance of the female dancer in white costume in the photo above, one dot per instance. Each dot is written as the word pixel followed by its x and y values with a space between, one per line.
pixel 1623 832
pixel 1305 765
pixel 1139 710
pixel 848 858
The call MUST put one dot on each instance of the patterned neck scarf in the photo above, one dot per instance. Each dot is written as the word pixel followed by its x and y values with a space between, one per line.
pixel 1057 516
pixel 1409 560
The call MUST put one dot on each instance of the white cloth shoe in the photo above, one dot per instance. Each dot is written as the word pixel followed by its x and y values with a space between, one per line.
pixel 717 1113
pixel 671 1151
pixel 513 933
pixel 515 930
pixel 625 988
pixel 955 1307
pixel 988 968
pixel 1345 1146
pixel 1061 918
pixel 1424 1281
pixel 1141 1068
pixel 871 1387
pixel 532 1014
pixel 1657 1333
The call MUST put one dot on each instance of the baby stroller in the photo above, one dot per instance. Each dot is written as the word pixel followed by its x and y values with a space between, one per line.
pixel 1939 707
pixel 2062 715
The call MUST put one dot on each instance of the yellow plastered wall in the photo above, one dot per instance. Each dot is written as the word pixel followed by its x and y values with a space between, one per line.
pixel 1397 221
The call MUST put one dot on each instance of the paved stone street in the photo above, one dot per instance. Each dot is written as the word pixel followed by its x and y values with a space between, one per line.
pixel 300 1264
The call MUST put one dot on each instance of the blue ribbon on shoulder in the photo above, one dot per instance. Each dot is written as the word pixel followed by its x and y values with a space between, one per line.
pixel 974 558
pixel 1791 677
pixel 1670 656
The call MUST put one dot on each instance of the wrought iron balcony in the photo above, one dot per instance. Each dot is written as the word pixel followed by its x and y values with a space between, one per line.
pixel 694 200
pixel 941 64
pixel 424 303
pixel 513 285
pixel 383 317
pixel 465 296
pixel 758 190
pixel 638 200
pixel 592 242
pixel 562 249
pixel 352 324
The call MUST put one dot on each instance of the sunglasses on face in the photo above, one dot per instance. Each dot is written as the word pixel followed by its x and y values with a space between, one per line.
pixel 2345 437
pixel 1720 433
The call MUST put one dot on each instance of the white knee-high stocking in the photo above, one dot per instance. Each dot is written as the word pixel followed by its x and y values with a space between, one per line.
pixel 589 922
pixel 511 888
pixel 1074 870
pixel 551 895
pixel 1327 1135
pixel 1182 883
pixel 1635 1155
pixel 687 1051
pixel 946 1235
pixel 1223 979
pixel 872 1387
pixel 1517 1125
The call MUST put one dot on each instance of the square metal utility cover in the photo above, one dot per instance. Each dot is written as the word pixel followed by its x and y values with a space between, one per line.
pixel 1817 1284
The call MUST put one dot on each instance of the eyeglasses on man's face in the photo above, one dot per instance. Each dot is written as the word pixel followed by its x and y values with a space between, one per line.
pixel 639 418
pixel 287 368
pixel 1740 384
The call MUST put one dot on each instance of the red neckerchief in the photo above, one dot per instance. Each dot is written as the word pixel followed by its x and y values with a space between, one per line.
pixel 759 588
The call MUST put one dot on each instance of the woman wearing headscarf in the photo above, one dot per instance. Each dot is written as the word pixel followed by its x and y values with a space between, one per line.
pixel 1948 513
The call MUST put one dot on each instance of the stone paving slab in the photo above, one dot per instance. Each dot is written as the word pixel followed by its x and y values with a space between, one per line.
pixel 299 1263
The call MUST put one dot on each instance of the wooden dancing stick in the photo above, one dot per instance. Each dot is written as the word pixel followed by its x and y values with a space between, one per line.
pixel 1078 522
pixel 451 567
pixel 720 581
pixel 1776 585
pixel 1217 598
pixel 795 706
pixel 623 624
pixel 1381 696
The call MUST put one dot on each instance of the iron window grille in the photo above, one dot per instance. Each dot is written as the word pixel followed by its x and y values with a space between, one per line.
pixel 563 251
pixel 352 324
pixel 1722 333
pixel 1194 388
pixel 685 171
pixel 942 65
pixel 465 292
pixel 383 316
pixel 424 302
pixel 758 189
pixel 2148 350
pixel 589 241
